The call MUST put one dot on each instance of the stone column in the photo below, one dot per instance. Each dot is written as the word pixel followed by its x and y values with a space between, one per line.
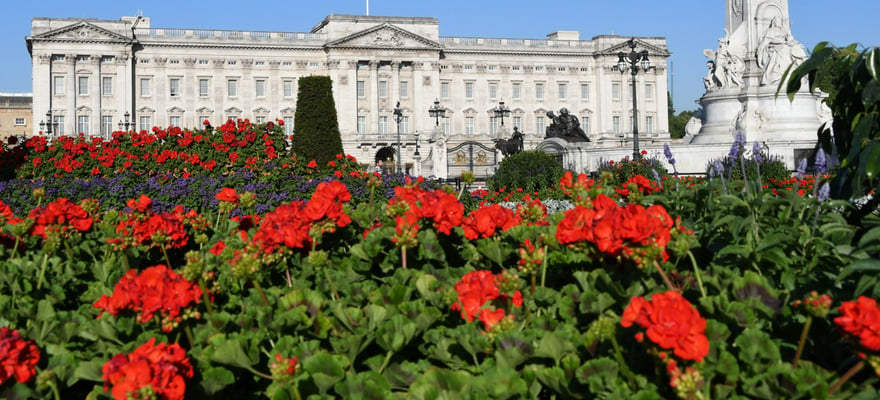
pixel 72 84
pixel 374 97
pixel 42 90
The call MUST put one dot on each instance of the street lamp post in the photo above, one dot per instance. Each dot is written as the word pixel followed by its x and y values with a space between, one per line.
pixel 437 112
pixel 634 61
pixel 49 124
pixel 127 122
pixel 398 117
pixel 501 111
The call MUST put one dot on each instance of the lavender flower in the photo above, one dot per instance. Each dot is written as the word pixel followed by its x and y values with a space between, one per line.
pixel 801 169
pixel 739 143
pixel 718 168
pixel 824 192
pixel 821 162
pixel 657 176
pixel 756 153
pixel 668 153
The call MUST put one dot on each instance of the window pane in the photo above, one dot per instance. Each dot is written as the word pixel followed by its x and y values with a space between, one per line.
pixel 107 85
pixel 175 121
pixel 616 121
pixel 232 88
pixel 261 88
pixel 203 87
pixel 83 124
pixel 649 124
pixel 288 88
pixel 445 124
pixel 58 127
pixel 539 125
pixel 563 89
pixel 539 91
pixel 106 125
pixel 517 90
pixel 649 91
pixel 615 91
pixel 362 125
pixel 145 87
pixel 288 125
pixel 59 85
pixel 175 87
pixel 404 89
pixel 83 85
pixel 469 125
pixel 517 122
pixel 585 91
pixel 383 125
pixel 585 125
pixel 444 90
pixel 469 90
pixel 404 125
pixel 145 124
pixel 493 126
pixel 383 88
pixel 361 89
pixel 493 90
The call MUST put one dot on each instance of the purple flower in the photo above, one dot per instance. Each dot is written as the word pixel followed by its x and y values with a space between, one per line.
pixel 821 162
pixel 668 153
pixel 824 191
pixel 718 167
pixel 756 153
pixel 801 169
pixel 739 143
pixel 657 176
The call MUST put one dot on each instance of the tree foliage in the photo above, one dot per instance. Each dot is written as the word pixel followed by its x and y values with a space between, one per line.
pixel 678 123
pixel 854 134
pixel 317 127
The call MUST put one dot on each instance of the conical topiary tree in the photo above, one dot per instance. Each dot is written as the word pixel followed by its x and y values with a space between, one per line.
pixel 316 127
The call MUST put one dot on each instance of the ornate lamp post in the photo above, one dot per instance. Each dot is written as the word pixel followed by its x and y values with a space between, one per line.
pixel 501 111
pixel 634 61
pixel 437 112
pixel 49 124
pixel 398 117
pixel 127 124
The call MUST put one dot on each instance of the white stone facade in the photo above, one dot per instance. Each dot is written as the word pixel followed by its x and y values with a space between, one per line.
pixel 89 73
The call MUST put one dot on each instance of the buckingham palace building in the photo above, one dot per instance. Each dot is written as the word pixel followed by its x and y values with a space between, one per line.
pixel 94 76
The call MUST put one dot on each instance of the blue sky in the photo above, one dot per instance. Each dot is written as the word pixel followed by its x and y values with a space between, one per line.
pixel 688 25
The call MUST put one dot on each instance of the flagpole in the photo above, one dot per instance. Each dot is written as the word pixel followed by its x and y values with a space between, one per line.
pixel 368 8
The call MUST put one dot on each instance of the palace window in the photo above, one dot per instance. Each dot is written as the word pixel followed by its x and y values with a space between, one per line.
pixel 58 83
pixel 83 88
pixel 83 124
pixel 174 120
pixel 288 89
pixel 107 85
pixel 232 88
pixel 383 89
pixel 361 89
pixel 469 90
pixel 260 87
pixel 203 87
pixel 383 125
pixel 444 90
pixel 106 125
pixel 469 125
pixel 144 123
pixel 404 89
pixel 517 90
pixel 563 91
pixel 175 87
pixel 539 91
pixel 145 87
pixel 362 125
pixel 585 91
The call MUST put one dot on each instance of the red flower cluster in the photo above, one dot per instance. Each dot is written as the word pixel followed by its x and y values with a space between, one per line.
pixel 158 369
pixel 484 221
pixel 59 216
pixel 157 290
pixel 289 225
pixel 227 195
pixel 672 323
pixel 617 230
pixel 860 319
pixel 576 189
pixel 143 227
pixel 5 213
pixel 17 356
pixel 441 207
pixel 475 290
pixel 637 183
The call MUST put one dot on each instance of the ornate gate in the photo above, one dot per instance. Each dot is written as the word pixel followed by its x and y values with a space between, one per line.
pixel 471 156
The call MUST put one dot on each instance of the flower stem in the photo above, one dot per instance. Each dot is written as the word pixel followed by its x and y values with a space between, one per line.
pixel 665 277
pixel 42 270
pixel 403 255
pixel 385 363
pixel 165 253
pixel 697 273
pixel 544 268
pixel 68 250
pixel 849 374
pixel 619 356
pixel 260 291
pixel 333 287
pixel 800 349
pixel 207 299
pixel 189 336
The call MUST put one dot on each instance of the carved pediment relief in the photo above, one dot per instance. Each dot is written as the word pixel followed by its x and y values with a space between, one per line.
pixel 469 111
pixel 640 45
pixel 261 110
pixel 84 109
pixel 232 110
pixel 288 110
pixel 585 111
pixel 176 109
pixel 82 31
pixel 145 110
pixel 204 110
pixel 541 111
pixel 385 36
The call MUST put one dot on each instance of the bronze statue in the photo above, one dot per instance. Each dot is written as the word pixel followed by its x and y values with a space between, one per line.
pixel 511 146
pixel 565 126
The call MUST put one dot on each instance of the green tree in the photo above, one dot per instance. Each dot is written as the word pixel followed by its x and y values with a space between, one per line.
pixel 678 123
pixel 316 125
pixel 854 135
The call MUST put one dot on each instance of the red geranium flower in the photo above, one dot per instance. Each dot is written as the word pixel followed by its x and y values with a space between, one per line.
pixel 860 319
pixel 228 195
pixel 59 216
pixel 17 356
pixel 672 323
pixel 164 368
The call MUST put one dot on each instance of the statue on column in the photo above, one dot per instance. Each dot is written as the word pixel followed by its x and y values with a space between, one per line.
pixel 509 147
pixel 777 50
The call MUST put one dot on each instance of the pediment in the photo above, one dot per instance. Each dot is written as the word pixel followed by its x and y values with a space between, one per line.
pixel 384 36
pixel 540 111
pixel 469 110
pixel 145 110
pixel 288 110
pixel 82 31
pixel 261 110
pixel 585 111
pixel 517 111
pixel 640 45
pixel 84 109
pixel 232 110
pixel 176 109
pixel 204 110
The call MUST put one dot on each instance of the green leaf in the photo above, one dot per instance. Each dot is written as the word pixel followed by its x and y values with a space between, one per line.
pixel 551 346
pixel 325 370
pixel 227 351
pixel 870 264
pixel 89 371
pixel 214 379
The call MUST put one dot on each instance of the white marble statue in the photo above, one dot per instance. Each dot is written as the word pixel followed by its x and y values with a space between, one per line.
pixel 777 50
